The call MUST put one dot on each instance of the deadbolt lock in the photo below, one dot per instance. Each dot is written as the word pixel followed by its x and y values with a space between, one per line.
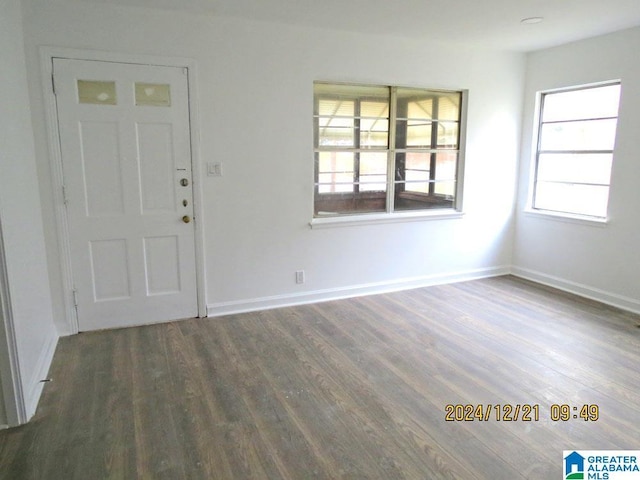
pixel 184 182
pixel 186 219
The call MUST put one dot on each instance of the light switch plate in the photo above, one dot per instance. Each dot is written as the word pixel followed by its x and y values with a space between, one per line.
pixel 214 169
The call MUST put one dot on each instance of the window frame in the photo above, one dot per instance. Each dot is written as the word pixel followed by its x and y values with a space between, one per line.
pixel 391 150
pixel 537 151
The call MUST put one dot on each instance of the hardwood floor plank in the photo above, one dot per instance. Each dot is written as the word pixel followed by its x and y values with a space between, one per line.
pixel 359 402
pixel 350 389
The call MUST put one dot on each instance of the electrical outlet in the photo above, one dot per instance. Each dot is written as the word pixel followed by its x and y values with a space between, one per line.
pixel 300 277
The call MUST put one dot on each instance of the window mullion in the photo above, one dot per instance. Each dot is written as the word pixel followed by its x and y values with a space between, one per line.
pixel 391 153
pixel 434 144
pixel 356 144
pixel 538 148
pixel 316 142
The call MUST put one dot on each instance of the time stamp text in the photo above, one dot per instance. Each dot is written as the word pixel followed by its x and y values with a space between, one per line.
pixel 519 412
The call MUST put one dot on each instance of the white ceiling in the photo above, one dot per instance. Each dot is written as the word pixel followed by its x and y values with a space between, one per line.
pixel 482 23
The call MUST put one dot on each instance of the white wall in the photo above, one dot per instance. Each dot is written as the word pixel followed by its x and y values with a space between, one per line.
pixel 20 215
pixel 255 104
pixel 597 261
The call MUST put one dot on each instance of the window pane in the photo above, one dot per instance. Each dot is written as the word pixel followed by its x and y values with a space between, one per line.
pixel 335 122
pixel 373 109
pixel 447 135
pixel 335 171
pixel 416 103
pixel 417 176
pixel 352 116
pixel 420 112
pixel 446 166
pixel 336 107
pixel 571 198
pixel 374 123
pixel 447 189
pixel 449 106
pixel 580 135
pixel 409 163
pixel 575 168
pixel 335 182
pixel 371 92
pixel 419 108
pixel 417 161
pixel 418 134
pixel 373 183
pixel 333 135
pixel 414 168
pixel 349 203
pixel 153 95
pixel 353 142
pixel 336 125
pixel 598 102
pixel 374 132
pixel 97 92
pixel 373 171
pixel 417 196
pixel 415 185
pixel 413 133
pixel 573 180
pixel 335 162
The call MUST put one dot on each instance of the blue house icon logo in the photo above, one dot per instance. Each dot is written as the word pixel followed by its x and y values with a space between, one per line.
pixel 574 466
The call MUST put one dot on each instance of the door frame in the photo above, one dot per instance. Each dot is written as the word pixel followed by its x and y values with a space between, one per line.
pixel 11 391
pixel 47 54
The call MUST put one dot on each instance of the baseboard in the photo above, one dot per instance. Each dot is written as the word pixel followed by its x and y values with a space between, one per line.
pixel 609 298
pixel 33 390
pixel 291 299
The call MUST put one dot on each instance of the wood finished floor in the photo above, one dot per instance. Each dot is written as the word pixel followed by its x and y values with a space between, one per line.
pixel 350 389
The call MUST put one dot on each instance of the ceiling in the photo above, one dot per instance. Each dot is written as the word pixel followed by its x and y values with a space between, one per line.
pixel 493 24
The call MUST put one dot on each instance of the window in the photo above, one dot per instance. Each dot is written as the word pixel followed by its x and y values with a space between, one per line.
pixel 576 138
pixel 385 149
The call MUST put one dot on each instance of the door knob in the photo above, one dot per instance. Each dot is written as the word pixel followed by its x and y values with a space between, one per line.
pixel 186 219
pixel 184 182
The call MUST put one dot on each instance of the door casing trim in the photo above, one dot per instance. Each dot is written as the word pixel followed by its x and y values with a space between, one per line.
pixel 11 394
pixel 47 54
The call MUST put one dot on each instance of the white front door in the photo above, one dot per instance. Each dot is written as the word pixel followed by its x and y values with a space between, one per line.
pixel 125 141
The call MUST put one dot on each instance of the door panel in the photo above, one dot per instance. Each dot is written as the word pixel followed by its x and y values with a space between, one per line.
pixel 156 167
pixel 162 264
pixel 110 270
pixel 101 169
pixel 125 141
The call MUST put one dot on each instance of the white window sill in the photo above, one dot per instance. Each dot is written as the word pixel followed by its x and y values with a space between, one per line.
pixel 567 217
pixel 380 218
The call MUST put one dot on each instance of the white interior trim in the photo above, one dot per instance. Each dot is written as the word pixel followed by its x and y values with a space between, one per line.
pixel 12 394
pixel 40 373
pixel 46 61
pixel 381 218
pixel 291 299
pixel 566 217
pixel 57 180
pixel 287 300
pixel 582 290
